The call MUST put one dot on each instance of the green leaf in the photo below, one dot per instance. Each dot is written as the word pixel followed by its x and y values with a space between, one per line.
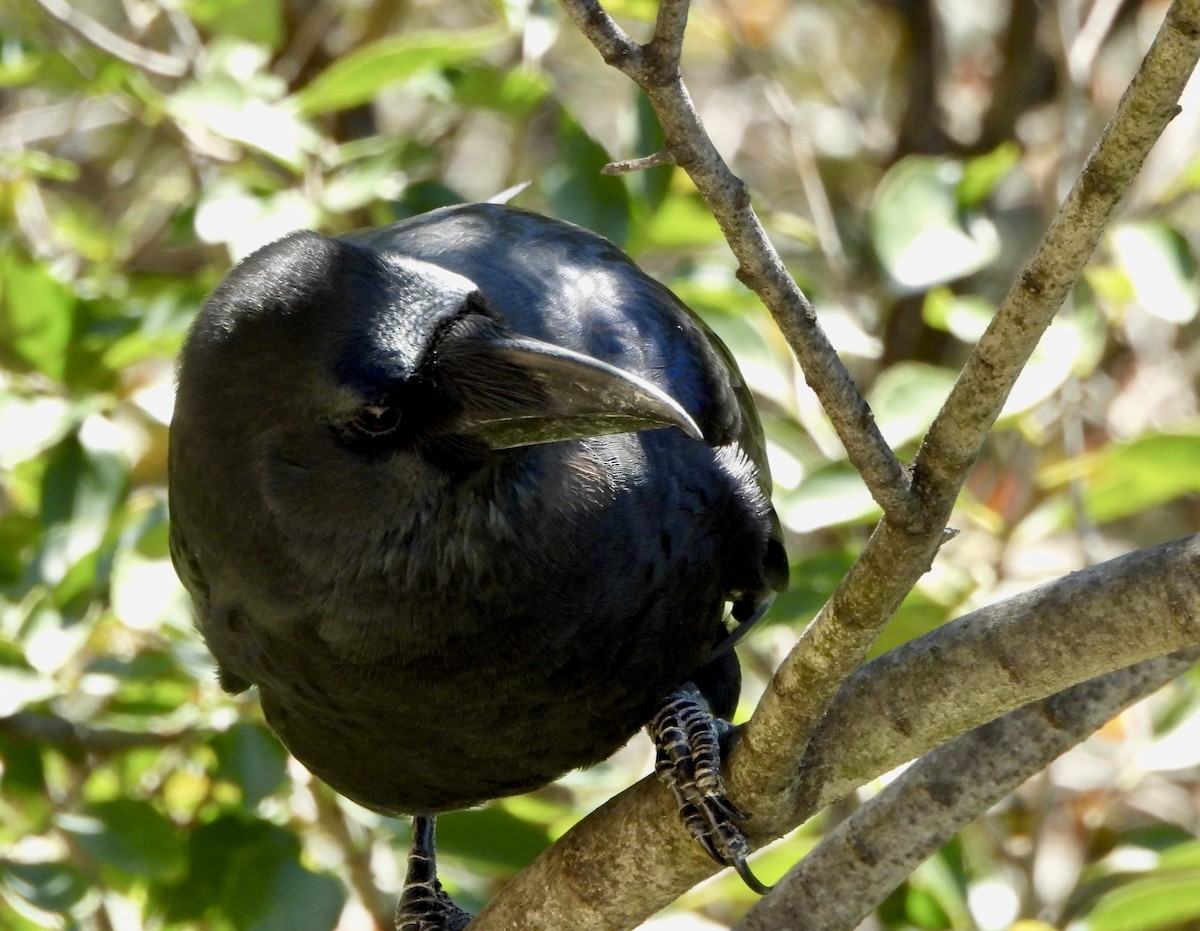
pixel 250 870
pixel 1160 267
pixel 650 187
pixel 917 229
pixel 52 887
pixel 965 316
pixel 259 21
pixel 813 579
pixel 515 92
pixel 1181 856
pixel 80 491
pixel 38 164
pixel 983 173
pixel 250 756
pixel 1127 478
pixel 491 836
pixel 578 192
pixel 359 76
pixel 1150 904
pixel 287 898
pixel 129 836
pixel 906 398
pixel 829 497
pixel 37 316
pixel 681 222
pixel 917 615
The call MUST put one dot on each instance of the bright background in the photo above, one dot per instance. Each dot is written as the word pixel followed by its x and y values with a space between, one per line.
pixel 905 171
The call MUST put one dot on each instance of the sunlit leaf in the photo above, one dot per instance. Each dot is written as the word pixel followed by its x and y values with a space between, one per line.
pixel 275 128
pixel 830 497
pixel 1071 345
pixel 30 425
pixel 1162 271
pixel 258 21
pixel 983 173
pixel 1127 478
pixel 917 229
pixel 229 214
pixel 356 78
pixel 682 221
pixel 37 315
pixel 39 164
pixel 1154 903
pixel 21 686
pixel 966 316
pixel 906 398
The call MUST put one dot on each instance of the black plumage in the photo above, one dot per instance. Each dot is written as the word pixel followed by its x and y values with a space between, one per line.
pixel 465 497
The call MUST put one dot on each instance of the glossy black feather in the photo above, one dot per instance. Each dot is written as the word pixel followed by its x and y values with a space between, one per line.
pixel 431 623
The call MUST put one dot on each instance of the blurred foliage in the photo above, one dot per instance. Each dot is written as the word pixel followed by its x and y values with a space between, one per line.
pixel 144 146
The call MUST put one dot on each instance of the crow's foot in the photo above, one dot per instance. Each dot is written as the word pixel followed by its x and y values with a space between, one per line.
pixel 424 905
pixel 688 739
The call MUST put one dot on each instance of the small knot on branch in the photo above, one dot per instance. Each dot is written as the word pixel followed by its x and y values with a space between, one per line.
pixel 641 163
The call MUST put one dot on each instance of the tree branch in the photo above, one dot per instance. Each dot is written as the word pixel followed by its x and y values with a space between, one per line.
pixel 858 864
pixel 655 68
pixel 1148 105
pixel 108 41
pixel 896 556
pixel 630 858
pixel 59 731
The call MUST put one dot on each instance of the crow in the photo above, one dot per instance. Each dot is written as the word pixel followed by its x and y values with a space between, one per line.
pixel 470 499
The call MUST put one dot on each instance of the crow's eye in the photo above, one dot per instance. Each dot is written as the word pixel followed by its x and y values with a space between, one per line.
pixel 376 420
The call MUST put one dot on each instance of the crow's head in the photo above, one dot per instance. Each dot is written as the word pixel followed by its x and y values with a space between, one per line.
pixel 386 353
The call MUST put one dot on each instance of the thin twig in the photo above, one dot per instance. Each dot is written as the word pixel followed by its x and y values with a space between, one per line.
pixel 108 41
pixel 356 855
pixel 62 732
pixel 627 165
pixel 655 68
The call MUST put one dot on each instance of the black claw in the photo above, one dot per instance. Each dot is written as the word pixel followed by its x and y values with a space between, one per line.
pixel 688 739
pixel 743 870
pixel 729 810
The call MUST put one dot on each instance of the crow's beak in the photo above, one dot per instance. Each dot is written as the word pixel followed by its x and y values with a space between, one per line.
pixel 572 396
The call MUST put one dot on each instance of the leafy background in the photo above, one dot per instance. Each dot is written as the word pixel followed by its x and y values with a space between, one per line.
pixel 905 174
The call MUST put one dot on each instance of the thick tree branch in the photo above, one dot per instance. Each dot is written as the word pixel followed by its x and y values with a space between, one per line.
pixel 858 864
pixel 655 68
pixel 896 556
pixel 631 858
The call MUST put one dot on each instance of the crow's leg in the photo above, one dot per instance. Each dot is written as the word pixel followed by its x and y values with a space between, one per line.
pixel 424 906
pixel 688 738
